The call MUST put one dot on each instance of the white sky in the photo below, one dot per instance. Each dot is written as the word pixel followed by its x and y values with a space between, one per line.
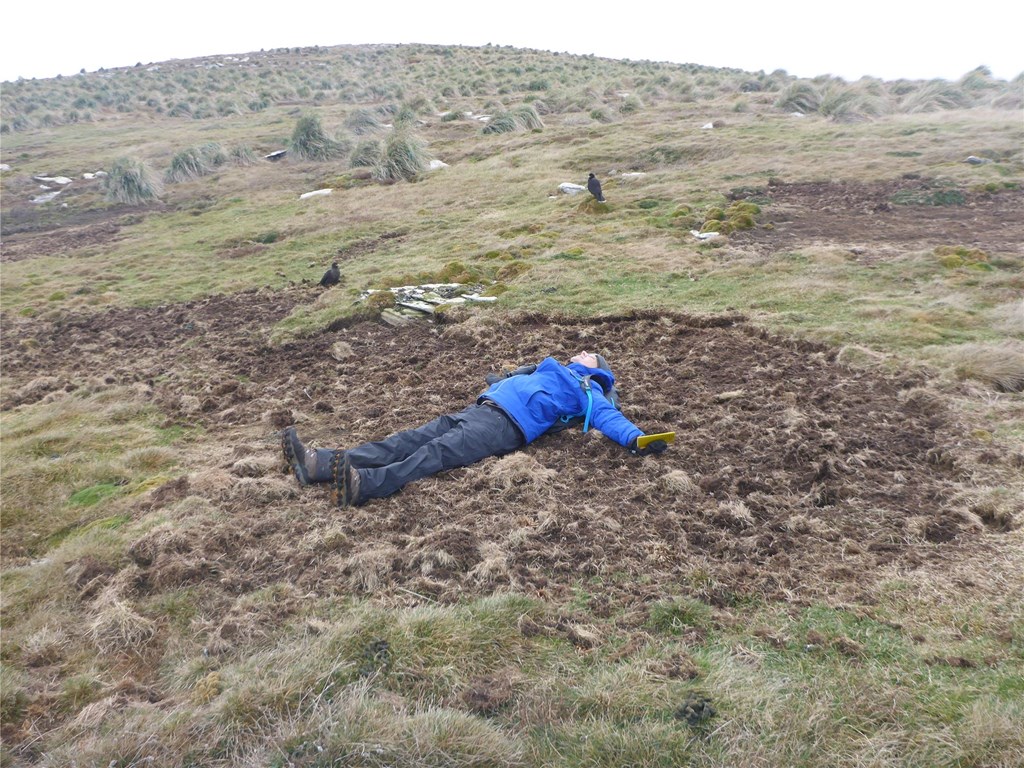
pixel 891 40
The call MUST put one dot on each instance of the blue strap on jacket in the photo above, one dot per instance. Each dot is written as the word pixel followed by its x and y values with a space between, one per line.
pixel 585 383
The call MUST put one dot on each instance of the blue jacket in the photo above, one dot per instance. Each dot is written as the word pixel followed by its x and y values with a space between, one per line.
pixel 535 402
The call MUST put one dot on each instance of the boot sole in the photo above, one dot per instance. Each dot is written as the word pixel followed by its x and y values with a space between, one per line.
pixel 291 461
pixel 341 490
pixel 338 480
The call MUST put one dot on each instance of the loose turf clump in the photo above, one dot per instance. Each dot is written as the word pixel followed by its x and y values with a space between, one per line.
pixel 1001 366
pixel 742 214
pixel 309 142
pixel 118 628
pixel 954 257
pixel 131 182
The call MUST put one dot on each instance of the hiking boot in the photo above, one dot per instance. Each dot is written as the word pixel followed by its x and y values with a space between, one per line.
pixel 344 482
pixel 309 465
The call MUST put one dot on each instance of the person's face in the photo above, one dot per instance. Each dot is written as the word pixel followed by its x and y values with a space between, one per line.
pixel 588 359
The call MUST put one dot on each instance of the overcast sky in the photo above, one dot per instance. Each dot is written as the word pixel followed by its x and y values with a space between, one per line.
pixel 891 40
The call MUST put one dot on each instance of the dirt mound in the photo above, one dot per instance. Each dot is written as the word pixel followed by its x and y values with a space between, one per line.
pixel 792 475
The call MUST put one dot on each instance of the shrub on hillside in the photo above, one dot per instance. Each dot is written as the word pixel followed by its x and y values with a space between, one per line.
pixel 309 142
pixel 131 182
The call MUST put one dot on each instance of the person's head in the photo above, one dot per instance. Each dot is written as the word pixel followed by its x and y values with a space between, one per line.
pixel 588 359
pixel 591 360
pixel 604 376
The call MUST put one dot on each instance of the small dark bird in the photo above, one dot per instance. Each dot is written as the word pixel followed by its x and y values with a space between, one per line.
pixel 595 188
pixel 331 277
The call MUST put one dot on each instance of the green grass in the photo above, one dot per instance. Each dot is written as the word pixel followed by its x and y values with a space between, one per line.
pixel 67 462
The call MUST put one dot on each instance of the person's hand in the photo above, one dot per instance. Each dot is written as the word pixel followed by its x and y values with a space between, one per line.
pixel 653 448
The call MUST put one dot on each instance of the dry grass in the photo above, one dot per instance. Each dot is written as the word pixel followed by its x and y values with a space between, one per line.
pixel 999 365
pixel 119 629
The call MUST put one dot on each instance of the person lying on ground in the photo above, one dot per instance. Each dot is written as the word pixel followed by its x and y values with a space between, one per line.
pixel 515 410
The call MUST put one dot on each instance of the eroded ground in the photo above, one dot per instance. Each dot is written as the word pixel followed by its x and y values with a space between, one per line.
pixel 905 213
pixel 792 477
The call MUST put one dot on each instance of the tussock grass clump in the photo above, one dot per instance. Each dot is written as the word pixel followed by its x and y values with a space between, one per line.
pixel 244 155
pixel 934 96
pixel 522 118
pixel 801 97
pixel 195 162
pixel 309 142
pixel 848 105
pixel 403 156
pixel 131 182
pixel 367 153
pixel 502 123
pixel 362 122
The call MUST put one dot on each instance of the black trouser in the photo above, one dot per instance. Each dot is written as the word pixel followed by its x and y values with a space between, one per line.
pixel 447 442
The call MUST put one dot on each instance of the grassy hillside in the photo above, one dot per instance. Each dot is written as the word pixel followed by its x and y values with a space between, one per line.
pixel 825 570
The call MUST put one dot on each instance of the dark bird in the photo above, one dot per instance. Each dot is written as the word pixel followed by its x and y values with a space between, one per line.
pixel 331 277
pixel 595 188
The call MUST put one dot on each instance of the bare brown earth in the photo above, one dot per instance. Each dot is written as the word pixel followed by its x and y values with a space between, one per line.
pixel 792 477
pixel 870 215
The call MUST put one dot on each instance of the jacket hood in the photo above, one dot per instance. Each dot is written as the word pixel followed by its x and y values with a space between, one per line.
pixel 602 376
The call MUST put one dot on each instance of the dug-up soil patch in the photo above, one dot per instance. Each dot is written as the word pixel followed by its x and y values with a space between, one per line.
pixel 792 477
pixel 869 217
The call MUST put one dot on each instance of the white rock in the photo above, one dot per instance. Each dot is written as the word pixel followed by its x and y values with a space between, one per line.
pixel 45 198
pixel 315 193
pixel 707 126
pixel 88 176
pixel 4 167
pixel 436 165
pixel 571 189
pixel 62 180
pixel 634 175
pixel 703 235
pixel 796 114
